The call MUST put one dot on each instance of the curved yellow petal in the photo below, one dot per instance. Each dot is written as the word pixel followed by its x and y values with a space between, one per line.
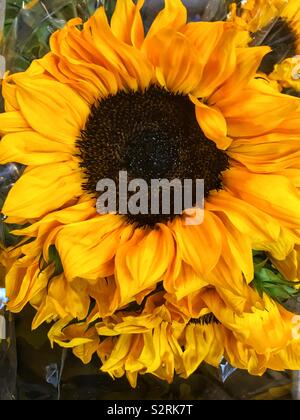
pixel 213 124
pixel 69 299
pixel 193 241
pixel 127 24
pixel 290 266
pixel 40 191
pixel 143 261
pixel 185 283
pixel 265 327
pixel 221 65
pixel 31 148
pixel 12 122
pixel 245 217
pixel 86 248
pixel 247 64
pixel 240 248
pixel 173 16
pixel 24 281
pixel 178 68
pixel 42 100
pixel 256 109
pixel 206 34
pixel 288 358
pixel 275 195
pixel 269 153
pixel 133 69
pixel 200 343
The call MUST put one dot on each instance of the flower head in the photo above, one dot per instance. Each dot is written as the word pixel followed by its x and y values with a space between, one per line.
pixel 272 23
pixel 182 102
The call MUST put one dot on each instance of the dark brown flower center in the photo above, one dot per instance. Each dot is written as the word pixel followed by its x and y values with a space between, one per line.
pixel 280 36
pixel 151 135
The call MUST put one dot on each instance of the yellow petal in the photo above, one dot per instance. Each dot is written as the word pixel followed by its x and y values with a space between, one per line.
pixel 177 64
pixel 71 336
pixel 205 37
pixel 143 261
pixel 69 299
pixel 269 153
pixel 23 282
pixel 68 215
pixel 40 191
pixel 198 342
pixel 12 122
pixel 173 16
pixel 288 358
pixel 245 217
pixel 31 148
pixel 135 71
pixel 256 109
pixel 194 241
pixel 290 266
pixel 221 65
pixel 104 291
pixel 265 327
pixel 87 247
pixel 42 100
pixel 272 194
pixel 127 24
pixel 248 61
pixel 213 124
pixel 9 91
pixel 185 283
pixel 240 247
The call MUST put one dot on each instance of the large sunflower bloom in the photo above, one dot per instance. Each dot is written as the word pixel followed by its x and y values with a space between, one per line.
pixel 181 102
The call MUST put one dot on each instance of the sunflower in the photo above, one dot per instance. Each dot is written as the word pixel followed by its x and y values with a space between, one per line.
pixel 273 23
pixel 169 337
pixel 182 102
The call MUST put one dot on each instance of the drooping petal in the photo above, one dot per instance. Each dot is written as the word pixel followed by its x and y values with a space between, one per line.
pixel 193 242
pixel 213 124
pixel 143 261
pixel 87 248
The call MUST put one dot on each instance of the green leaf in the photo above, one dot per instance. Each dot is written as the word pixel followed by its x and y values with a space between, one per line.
pixel 6 238
pixel 53 258
pixel 270 281
pixel 28 29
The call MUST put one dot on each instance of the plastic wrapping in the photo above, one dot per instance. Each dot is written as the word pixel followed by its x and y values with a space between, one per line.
pixel 29 33
pixel 8 357
pixel 39 372
pixel 198 10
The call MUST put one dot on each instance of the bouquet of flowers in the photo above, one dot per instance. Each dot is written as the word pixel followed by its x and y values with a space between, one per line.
pixel 155 221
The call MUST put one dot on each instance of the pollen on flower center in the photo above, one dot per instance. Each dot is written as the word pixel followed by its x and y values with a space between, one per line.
pixel 152 134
